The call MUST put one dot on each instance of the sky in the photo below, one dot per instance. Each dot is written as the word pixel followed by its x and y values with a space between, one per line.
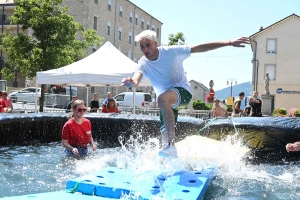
pixel 203 21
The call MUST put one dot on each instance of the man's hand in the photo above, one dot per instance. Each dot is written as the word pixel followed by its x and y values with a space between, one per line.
pixel 238 42
pixel 127 82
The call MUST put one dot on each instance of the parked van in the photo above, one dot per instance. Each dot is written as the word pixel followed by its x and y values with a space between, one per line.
pixel 126 99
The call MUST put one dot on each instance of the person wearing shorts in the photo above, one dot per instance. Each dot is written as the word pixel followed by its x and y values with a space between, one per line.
pixel 164 67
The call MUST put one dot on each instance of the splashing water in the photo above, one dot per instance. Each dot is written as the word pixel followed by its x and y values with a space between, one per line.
pixel 36 169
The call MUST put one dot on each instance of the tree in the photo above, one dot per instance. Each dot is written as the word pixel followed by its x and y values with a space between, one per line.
pixel 176 39
pixel 200 105
pixel 53 43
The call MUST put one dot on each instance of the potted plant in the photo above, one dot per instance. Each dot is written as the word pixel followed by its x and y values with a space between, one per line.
pixel 280 112
pixel 58 89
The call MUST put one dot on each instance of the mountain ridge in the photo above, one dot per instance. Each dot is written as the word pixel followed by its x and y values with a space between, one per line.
pixel 245 87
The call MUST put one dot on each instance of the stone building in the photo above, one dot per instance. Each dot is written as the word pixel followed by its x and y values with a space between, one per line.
pixel 275 51
pixel 117 21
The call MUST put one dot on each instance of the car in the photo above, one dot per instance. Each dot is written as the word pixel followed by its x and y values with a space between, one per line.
pixel 125 99
pixel 24 95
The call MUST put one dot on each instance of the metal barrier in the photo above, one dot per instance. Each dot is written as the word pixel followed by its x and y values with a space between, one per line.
pixel 30 107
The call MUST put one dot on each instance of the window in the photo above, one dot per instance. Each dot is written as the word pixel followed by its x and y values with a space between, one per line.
pixel 96 1
pixel 3 18
pixel 148 26
pixel 195 87
pixel 108 28
pixel 121 11
pixel 120 48
pixel 109 4
pixel 129 38
pixel 95 23
pixel 134 59
pixel 271 69
pixel 130 17
pixel 135 42
pixel 120 33
pixel 92 89
pixel 271 46
pixel 129 54
pixel 94 48
pixel 136 19
pixel 120 97
pixel 142 23
pixel 153 28
pixel 157 32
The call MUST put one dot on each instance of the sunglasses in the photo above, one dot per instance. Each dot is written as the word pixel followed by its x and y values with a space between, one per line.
pixel 81 109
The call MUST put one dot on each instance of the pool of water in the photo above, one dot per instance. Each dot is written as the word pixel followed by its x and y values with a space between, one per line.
pixel 36 169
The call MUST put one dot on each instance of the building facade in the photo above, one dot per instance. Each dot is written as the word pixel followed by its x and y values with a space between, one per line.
pixel 199 91
pixel 117 21
pixel 276 52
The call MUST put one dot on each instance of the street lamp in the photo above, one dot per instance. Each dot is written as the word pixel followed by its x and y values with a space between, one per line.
pixel 231 81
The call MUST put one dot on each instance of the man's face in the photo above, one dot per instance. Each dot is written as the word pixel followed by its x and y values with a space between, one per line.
pixel 242 97
pixel 149 49
pixel 255 94
pixel 109 95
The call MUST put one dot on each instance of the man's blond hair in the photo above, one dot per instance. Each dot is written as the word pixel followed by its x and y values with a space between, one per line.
pixel 147 34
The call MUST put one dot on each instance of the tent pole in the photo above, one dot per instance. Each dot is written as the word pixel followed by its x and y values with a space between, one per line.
pixel 36 97
pixel 133 94
pixel 87 95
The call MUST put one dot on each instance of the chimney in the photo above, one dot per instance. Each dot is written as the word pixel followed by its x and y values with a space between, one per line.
pixel 261 28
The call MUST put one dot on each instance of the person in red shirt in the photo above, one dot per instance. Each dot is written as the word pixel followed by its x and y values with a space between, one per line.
pixel 110 107
pixel 2 104
pixel 7 101
pixel 77 132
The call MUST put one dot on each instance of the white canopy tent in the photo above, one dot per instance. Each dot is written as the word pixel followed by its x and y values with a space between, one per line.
pixel 106 66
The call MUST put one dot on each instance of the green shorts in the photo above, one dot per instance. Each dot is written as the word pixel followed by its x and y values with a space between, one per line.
pixel 184 98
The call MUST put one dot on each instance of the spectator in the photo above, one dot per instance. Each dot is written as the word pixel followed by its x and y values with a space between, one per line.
pixel 111 107
pixel 94 104
pixel 219 111
pixel 77 132
pixel 74 98
pixel 8 102
pixel 2 104
pixel 256 106
pixel 236 107
pixel 105 102
pixel 248 107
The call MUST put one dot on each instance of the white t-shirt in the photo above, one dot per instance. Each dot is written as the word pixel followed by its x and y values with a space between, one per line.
pixel 167 71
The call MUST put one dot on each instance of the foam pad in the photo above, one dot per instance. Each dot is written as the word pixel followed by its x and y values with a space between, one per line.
pixel 114 183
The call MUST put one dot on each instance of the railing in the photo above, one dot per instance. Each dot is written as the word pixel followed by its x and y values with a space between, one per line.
pixel 21 107
pixel 182 112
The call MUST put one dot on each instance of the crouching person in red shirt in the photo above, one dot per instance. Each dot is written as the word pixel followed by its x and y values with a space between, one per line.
pixel 77 132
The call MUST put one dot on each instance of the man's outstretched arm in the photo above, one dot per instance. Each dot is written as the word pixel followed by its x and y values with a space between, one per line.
pixel 215 45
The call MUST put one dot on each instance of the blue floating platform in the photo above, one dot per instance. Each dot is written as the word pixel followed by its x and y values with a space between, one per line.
pixel 59 195
pixel 114 183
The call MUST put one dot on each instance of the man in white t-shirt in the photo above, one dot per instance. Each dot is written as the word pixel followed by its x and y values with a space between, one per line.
pixel 164 67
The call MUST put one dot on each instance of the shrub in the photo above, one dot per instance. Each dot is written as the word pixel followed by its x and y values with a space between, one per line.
pixel 292 111
pixel 200 105
pixel 297 113
pixel 280 112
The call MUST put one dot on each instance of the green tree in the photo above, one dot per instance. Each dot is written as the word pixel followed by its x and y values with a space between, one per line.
pixel 200 105
pixel 176 39
pixel 53 42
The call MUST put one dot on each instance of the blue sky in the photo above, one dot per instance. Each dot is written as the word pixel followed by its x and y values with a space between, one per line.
pixel 203 21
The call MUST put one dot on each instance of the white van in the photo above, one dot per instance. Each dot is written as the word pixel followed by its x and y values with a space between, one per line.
pixel 126 99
